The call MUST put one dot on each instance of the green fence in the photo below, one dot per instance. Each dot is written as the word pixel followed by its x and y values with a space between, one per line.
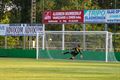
pixel 117 54
pixel 18 53
pixel 56 54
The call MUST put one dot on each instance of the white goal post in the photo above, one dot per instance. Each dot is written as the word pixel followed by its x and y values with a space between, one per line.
pixel 64 40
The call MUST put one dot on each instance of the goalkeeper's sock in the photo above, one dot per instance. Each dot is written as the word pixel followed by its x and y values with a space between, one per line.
pixel 72 58
pixel 81 56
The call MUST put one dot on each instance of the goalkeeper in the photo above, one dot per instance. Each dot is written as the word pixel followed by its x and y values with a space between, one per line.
pixel 74 52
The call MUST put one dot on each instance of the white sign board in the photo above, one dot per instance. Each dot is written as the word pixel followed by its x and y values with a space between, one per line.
pixel 113 16
pixel 31 30
pixel 23 29
pixel 95 16
pixel 3 29
pixel 14 30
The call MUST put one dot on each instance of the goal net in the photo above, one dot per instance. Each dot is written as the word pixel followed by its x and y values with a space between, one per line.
pixel 95 45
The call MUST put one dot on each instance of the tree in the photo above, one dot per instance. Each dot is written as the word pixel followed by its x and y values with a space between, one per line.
pixel 108 4
pixel 23 9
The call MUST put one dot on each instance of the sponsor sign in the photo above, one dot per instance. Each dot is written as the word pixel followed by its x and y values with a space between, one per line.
pixel 23 29
pixel 3 29
pixel 59 17
pixel 31 30
pixel 14 30
pixel 95 16
pixel 113 16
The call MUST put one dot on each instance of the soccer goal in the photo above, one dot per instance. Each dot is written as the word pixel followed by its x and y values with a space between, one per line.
pixel 95 45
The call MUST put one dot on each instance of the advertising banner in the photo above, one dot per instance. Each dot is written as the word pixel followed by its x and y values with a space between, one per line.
pixel 60 17
pixel 31 30
pixel 23 29
pixel 14 30
pixel 95 16
pixel 113 16
pixel 3 29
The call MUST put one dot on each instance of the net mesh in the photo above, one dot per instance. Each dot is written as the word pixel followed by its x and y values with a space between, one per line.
pixel 93 45
pixel 111 54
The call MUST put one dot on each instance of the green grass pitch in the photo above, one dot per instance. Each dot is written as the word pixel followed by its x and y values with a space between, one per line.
pixel 31 69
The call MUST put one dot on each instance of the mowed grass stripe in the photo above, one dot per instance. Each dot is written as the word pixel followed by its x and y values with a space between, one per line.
pixel 30 69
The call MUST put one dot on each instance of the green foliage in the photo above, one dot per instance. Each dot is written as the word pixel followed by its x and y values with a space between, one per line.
pixel 5 18
pixel 2 42
pixel 12 42
pixel 109 4
pixel 95 27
